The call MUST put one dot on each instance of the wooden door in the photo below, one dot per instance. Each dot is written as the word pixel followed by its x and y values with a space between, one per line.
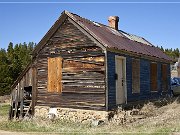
pixel 120 80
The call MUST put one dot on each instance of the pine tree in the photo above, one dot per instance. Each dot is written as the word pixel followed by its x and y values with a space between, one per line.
pixel 12 63
pixel 162 48
pixel 5 79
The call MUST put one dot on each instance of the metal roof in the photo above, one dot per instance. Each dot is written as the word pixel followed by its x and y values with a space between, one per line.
pixel 135 38
pixel 120 40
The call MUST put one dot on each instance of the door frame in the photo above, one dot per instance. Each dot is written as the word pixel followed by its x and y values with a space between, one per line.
pixel 124 75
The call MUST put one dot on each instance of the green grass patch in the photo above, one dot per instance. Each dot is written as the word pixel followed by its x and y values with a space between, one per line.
pixel 25 126
pixel 4 109
pixel 37 125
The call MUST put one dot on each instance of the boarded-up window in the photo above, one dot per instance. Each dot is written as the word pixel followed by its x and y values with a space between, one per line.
pixel 153 75
pixel 164 77
pixel 55 74
pixel 135 76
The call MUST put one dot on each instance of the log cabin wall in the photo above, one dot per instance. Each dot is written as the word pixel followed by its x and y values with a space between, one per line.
pixel 83 71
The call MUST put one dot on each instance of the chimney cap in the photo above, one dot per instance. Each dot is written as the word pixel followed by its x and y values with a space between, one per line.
pixel 113 22
pixel 113 18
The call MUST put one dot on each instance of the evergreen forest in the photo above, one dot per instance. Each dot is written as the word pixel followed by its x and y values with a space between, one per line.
pixel 12 62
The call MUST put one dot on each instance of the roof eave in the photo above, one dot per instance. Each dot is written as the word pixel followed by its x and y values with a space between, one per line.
pixel 139 55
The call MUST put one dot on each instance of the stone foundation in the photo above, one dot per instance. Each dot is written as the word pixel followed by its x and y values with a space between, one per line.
pixel 76 115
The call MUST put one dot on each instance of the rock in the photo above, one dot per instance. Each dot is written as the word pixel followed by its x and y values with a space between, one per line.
pixel 95 123
pixel 51 116
pixel 87 121
pixel 76 115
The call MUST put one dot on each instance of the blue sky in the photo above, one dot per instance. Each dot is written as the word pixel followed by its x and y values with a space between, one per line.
pixel 159 22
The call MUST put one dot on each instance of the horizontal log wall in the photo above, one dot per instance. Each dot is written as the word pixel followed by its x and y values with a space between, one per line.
pixel 83 70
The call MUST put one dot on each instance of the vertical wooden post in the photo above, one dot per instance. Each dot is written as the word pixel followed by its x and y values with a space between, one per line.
pixel 16 101
pixel 106 80
pixel 11 106
pixel 21 98
pixel 34 88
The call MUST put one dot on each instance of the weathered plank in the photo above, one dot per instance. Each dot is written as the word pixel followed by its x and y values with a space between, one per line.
pixel 82 71
pixel 74 100
pixel 34 88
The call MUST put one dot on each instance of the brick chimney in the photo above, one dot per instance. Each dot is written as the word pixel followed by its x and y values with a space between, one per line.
pixel 113 22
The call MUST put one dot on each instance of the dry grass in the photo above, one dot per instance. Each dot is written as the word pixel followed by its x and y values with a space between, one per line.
pixel 5 99
pixel 161 119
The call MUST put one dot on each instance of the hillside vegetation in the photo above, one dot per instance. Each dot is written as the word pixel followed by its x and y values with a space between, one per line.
pixel 173 53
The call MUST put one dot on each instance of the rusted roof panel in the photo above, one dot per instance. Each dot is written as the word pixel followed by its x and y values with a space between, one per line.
pixel 135 38
pixel 120 40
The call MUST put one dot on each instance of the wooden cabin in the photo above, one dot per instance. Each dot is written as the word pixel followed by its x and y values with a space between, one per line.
pixel 86 65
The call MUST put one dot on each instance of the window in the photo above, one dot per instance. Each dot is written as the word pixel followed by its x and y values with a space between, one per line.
pixel 164 77
pixel 55 74
pixel 135 76
pixel 153 76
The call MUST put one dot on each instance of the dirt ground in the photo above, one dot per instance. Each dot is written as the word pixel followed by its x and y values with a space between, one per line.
pixel 28 133
pixel 11 133
pixel 25 133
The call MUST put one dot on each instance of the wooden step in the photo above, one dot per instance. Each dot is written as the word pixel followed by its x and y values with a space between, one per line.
pixel 27 101
pixel 25 106
pixel 25 109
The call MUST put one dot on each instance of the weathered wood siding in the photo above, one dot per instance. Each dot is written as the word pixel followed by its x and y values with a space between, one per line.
pixel 83 70
pixel 24 81
pixel 146 92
